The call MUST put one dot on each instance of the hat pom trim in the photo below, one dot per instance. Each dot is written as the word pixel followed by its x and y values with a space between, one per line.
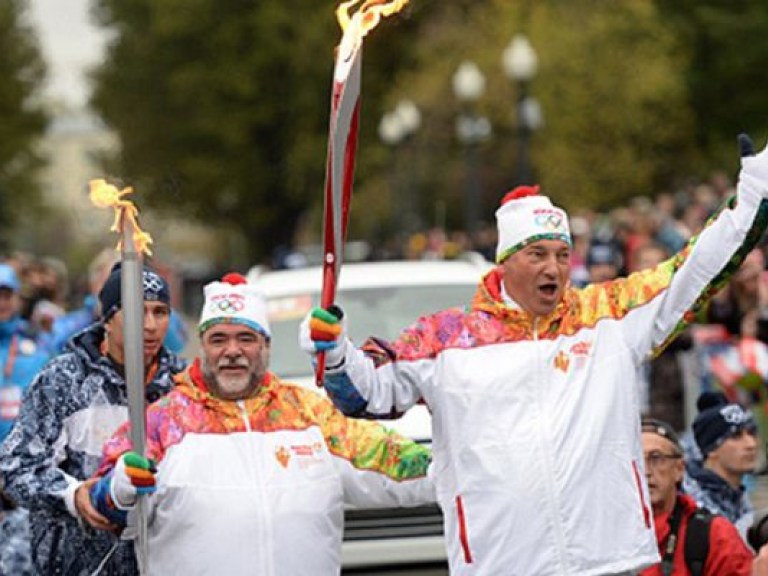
pixel 234 279
pixel 520 192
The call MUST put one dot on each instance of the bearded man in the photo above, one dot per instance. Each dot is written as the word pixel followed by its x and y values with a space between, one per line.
pixel 252 473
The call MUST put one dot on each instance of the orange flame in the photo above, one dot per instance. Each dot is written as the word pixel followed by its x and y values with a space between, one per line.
pixel 370 13
pixel 105 195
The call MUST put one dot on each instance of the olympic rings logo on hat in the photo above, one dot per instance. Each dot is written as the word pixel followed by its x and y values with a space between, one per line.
pixel 228 304
pixel 152 282
pixel 735 414
pixel 549 221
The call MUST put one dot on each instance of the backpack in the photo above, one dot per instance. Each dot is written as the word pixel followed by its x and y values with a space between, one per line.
pixel 697 541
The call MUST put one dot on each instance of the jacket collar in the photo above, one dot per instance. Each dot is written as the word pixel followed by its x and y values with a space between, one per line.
pixel 714 484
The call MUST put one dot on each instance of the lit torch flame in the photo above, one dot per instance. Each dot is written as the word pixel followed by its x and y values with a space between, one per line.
pixel 356 26
pixel 105 195
pixel 370 13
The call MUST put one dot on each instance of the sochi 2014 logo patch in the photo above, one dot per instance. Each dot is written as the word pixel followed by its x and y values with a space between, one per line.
pixel 577 354
pixel 302 455
pixel 562 362
pixel 283 456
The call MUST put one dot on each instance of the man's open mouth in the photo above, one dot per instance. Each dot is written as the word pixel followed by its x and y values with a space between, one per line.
pixel 549 289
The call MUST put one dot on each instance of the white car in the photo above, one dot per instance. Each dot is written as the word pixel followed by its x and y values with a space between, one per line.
pixel 379 299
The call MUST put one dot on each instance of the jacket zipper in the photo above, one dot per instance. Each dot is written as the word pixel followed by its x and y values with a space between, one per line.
pixel 268 561
pixel 554 496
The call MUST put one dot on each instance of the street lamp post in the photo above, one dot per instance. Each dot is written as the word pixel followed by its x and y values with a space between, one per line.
pixel 520 64
pixel 471 130
pixel 395 129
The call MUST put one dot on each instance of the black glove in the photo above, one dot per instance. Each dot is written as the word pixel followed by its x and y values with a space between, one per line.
pixel 746 147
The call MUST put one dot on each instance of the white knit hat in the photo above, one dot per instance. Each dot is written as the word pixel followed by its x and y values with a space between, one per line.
pixel 525 217
pixel 234 301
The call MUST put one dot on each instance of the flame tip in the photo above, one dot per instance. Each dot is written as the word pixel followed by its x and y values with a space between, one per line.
pixel 105 195
pixel 370 13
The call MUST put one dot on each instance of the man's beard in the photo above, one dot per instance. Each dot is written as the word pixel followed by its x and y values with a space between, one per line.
pixel 231 387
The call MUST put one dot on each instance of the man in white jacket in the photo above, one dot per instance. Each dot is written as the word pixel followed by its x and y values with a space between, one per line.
pixel 252 473
pixel 533 390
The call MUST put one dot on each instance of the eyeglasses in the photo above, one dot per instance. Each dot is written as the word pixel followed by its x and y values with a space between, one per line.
pixel 656 460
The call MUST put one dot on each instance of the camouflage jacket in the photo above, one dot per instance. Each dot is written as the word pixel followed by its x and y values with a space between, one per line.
pixel 74 404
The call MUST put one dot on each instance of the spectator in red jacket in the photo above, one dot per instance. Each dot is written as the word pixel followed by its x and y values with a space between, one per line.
pixel 673 512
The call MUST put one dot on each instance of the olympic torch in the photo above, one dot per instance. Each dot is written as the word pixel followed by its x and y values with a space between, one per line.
pixel 133 243
pixel 342 139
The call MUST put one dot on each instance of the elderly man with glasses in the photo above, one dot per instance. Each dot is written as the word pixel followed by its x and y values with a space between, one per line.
pixel 678 520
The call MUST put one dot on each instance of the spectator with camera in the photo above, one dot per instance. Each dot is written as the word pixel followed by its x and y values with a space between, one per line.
pixel 726 435
pixel 691 540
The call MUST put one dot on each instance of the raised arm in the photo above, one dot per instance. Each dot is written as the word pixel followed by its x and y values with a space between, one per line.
pixel 660 302
pixel 381 379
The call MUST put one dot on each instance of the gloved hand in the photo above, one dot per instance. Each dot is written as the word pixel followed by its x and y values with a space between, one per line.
pixel 324 331
pixel 133 475
pixel 746 147
pixel 754 167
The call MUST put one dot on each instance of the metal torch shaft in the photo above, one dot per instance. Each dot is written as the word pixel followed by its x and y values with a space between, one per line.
pixel 132 296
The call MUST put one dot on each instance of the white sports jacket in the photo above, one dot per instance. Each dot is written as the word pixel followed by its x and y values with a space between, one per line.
pixel 536 437
pixel 258 487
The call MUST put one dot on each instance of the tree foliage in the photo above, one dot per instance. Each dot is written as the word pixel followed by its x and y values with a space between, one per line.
pixel 22 120
pixel 725 79
pixel 222 105
pixel 609 83
pixel 222 108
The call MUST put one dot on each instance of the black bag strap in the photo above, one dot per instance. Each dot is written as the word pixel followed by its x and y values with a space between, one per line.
pixel 667 560
pixel 697 541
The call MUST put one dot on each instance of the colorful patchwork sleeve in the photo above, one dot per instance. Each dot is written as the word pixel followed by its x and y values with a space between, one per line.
pixel 378 466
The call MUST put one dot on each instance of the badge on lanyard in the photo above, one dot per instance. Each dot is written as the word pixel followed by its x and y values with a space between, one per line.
pixel 27 347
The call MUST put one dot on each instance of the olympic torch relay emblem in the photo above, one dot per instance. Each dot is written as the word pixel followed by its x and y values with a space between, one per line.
pixel 342 137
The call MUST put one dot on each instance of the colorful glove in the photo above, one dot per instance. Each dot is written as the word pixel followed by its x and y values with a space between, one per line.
pixel 133 475
pixel 324 331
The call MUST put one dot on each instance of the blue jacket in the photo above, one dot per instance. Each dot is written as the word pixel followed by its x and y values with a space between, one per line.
pixel 19 352
pixel 76 402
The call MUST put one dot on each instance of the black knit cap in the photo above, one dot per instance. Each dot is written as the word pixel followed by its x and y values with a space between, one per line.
pixel 718 420
pixel 155 289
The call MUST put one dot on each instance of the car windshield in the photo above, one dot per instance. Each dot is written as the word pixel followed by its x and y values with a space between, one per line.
pixel 380 311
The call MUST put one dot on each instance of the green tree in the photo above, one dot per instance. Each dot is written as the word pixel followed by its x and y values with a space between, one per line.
pixel 22 119
pixel 222 108
pixel 726 81
pixel 610 82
